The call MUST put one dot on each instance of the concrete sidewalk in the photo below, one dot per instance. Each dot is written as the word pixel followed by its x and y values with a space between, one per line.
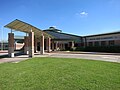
pixel 63 54
pixel 18 58
pixel 15 59
pixel 88 56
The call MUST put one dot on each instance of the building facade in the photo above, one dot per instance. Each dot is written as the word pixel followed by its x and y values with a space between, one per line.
pixel 64 41
pixel 4 45
pixel 53 39
pixel 106 39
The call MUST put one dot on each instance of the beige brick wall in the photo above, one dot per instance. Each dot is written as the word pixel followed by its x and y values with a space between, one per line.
pixel 117 42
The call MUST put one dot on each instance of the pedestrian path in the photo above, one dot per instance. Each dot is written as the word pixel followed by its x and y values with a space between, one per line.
pixel 81 55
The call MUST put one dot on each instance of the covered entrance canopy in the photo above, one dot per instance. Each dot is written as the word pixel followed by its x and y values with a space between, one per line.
pixel 30 42
pixel 27 28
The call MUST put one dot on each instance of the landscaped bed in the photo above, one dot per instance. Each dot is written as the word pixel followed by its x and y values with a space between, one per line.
pixel 60 74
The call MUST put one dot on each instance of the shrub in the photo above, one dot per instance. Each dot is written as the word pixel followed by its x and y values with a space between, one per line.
pixel 112 49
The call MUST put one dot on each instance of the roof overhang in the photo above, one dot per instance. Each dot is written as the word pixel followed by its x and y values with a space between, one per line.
pixel 19 25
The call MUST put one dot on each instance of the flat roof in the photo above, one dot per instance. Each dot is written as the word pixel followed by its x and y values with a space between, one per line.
pixel 19 25
pixel 117 32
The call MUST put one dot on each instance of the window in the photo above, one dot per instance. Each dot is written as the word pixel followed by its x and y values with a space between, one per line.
pixel 112 42
pixel 96 43
pixel 90 43
pixel 103 43
pixel 6 46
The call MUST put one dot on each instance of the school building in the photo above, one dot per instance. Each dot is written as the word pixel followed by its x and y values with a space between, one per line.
pixel 53 39
pixel 106 39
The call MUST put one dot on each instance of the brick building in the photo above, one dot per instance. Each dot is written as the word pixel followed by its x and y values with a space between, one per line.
pixel 106 39
pixel 53 39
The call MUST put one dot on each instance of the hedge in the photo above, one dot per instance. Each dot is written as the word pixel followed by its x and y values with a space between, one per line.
pixel 112 49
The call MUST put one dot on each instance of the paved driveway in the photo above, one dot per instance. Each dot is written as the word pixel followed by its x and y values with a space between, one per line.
pixel 111 57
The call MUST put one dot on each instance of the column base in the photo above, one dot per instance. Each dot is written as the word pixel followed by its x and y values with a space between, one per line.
pixel 11 55
pixel 41 50
pixel 11 52
pixel 26 50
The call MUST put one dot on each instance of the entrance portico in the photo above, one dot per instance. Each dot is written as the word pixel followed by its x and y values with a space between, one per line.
pixel 30 41
pixel 50 39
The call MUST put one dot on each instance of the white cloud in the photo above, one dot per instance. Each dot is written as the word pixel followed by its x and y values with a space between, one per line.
pixel 84 13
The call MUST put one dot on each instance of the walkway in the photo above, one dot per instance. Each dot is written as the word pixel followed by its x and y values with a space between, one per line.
pixel 111 57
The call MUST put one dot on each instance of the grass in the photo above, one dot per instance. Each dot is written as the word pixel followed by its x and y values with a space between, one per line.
pixel 60 74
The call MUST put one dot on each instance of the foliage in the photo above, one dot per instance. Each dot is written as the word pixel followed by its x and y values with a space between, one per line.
pixel 111 49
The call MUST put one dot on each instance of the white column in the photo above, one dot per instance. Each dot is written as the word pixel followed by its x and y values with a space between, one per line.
pixel 42 45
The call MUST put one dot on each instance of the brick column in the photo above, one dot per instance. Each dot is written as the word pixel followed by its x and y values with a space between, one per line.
pixel 31 44
pixel 11 44
pixel 35 44
pixel 52 45
pixel 42 44
pixel 48 44
pixel 26 46
pixel 60 46
pixel 63 46
pixel 56 45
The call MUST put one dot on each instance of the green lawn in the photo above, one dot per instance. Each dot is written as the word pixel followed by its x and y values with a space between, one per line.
pixel 60 74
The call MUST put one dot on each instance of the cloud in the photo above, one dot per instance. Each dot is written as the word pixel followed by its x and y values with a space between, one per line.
pixel 83 13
